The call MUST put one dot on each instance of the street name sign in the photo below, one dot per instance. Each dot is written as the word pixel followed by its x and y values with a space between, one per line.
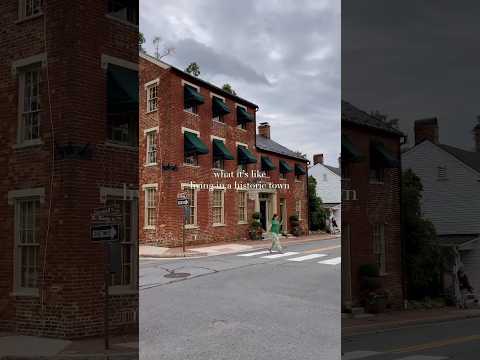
pixel 105 232
pixel 182 200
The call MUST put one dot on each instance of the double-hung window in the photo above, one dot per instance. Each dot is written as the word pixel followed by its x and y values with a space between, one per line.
pixel 379 247
pixel 27 245
pixel 150 205
pixel 152 97
pixel 218 207
pixel 151 147
pixel 242 206
pixel 191 219
pixel 28 8
pixel 29 104
pixel 298 209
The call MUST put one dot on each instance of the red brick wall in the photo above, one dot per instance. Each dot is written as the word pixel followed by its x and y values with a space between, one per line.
pixel 170 118
pixel 377 203
pixel 78 33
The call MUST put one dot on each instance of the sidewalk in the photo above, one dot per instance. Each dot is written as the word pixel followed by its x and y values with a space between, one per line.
pixel 226 248
pixel 19 347
pixel 398 319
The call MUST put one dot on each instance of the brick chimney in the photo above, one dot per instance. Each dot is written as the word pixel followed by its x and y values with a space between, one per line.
pixel 317 159
pixel 264 130
pixel 476 134
pixel 426 129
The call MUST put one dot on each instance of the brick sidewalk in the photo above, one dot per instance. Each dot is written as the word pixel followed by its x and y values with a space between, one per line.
pixel 226 247
pixel 397 319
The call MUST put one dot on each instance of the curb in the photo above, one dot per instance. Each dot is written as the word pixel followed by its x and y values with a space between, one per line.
pixel 114 356
pixel 370 328
pixel 254 247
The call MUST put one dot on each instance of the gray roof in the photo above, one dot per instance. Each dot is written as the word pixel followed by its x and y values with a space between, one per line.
pixel 456 240
pixel 334 169
pixel 359 117
pixel 269 145
pixel 469 158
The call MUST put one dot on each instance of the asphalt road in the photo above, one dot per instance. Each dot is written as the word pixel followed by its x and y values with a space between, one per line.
pixel 243 307
pixel 458 339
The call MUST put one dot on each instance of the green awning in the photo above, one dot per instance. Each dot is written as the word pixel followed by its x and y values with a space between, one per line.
pixel 245 156
pixel 349 151
pixel 299 170
pixel 284 167
pixel 220 151
pixel 219 107
pixel 383 157
pixel 243 116
pixel 267 164
pixel 193 145
pixel 191 95
pixel 122 85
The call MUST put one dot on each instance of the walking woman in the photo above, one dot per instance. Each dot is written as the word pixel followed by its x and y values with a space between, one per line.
pixel 275 230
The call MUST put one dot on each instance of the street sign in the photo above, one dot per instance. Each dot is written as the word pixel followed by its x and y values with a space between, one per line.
pixel 182 200
pixel 106 214
pixel 105 232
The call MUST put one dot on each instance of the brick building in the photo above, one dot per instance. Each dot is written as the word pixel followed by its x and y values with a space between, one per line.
pixel 69 135
pixel 371 203
pixel 192 132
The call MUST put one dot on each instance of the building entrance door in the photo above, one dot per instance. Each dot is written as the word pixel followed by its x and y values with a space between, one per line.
pixel 283 215
pixel 263 213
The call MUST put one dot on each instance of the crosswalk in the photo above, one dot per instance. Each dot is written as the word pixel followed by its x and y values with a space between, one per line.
pixel 292 256
pixel 375 355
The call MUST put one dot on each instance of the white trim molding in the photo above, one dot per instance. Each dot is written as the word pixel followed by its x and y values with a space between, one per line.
pixel 154 61
pixel 240 105
pixel 146 131
pixel 218 96
pixel 107 59
pixel 31 60
pixel 191 84
pixel 26 193
pixel 150 186
pixel 152 83
pixel 239 143
pixel 190 130
pixel 217 137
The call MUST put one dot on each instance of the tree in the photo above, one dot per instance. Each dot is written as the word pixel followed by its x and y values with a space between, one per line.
pixel 317 212
pixel 166 50
pixel 228 88
pixel 193 69
pixel 141 41
pixel 423 255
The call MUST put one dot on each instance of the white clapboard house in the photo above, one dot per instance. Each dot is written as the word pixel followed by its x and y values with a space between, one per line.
pixel 451 195
pixel 329 186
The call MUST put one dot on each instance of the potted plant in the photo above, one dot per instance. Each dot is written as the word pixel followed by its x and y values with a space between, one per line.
pixel 255 231
pixel 370 277
pixel 295 225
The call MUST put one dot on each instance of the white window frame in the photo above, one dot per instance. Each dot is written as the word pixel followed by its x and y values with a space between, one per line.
pixel 196 155
pixel 298 208
pixel 221 207
pixel 152 101
pixel 212 137
pixel 240 126
pixel 195 108
pixel 379 247
pixel 147 189
pixel 242 194
pixel 15 198
pixel 193 205
pixel 36 9
pixel 149 149
pixel 218 119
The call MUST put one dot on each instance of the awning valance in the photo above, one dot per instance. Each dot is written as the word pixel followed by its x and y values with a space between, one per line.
pixel 382 156
pixel 219 107
pixel 243 116
pixel 245 156
pixel 193 144
pixel 192 96
pixel 349 151
pixel 267 163
pixel 220 151
pixel 299 170
pixel 284 167
pixel 122 85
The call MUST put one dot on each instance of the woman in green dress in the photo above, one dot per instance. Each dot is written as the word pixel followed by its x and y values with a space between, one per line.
pixel 275 230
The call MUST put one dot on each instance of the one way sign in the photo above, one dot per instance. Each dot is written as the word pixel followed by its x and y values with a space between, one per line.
pixel 105 232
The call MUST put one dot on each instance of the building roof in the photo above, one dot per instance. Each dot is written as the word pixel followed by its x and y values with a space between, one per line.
pixel 356 116
pixel 457 240
pixel 197 80
pixel 269 145
pixel 334 169
pixel 469 158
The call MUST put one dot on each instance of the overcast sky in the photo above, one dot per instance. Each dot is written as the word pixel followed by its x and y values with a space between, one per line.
pixel 414 59
pixel 282 55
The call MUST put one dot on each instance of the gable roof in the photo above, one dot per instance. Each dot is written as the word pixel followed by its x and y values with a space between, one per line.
pixel 265 144
pixel 469 158
pixel 197 80
pixel 356 116
pixel 333 169
pixel 457 239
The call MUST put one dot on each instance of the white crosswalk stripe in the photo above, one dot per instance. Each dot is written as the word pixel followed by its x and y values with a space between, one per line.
pixel 333 261
pixel 255 253
pixel 280 255
pixel 364 354
pixel 307 257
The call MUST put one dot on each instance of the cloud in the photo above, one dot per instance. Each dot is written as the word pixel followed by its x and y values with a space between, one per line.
pixel 282 55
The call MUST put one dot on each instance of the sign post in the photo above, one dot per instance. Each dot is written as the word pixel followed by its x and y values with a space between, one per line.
pixel 184 202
